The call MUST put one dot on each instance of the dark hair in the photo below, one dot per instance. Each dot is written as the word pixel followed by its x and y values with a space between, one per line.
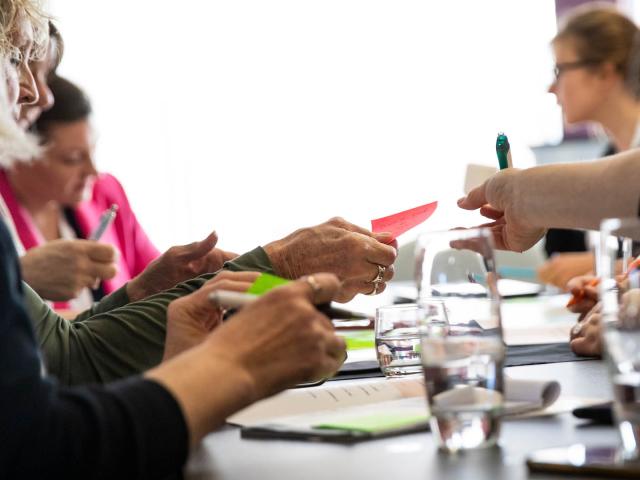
pixel 55 36
pixel 70 105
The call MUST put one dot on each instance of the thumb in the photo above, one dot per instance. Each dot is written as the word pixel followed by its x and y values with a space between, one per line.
pixel 475 199
pixel 199 249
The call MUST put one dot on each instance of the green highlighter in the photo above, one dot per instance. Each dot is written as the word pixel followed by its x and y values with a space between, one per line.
pixel 503 150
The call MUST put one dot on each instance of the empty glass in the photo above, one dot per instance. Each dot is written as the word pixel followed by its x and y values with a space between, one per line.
pixel 463 361
pixel 620 299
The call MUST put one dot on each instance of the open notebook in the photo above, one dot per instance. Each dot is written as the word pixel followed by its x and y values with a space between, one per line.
pixel 363 409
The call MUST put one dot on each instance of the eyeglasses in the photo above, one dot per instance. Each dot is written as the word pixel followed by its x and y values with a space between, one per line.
pixel 560 68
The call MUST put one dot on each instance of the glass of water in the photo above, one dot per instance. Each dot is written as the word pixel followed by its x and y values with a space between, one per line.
pixel 397 335
pixel 620 314
pixel 463 362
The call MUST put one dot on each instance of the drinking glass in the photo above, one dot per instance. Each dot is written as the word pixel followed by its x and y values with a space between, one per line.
pixel 397 335
pixel 463 361
pixel 620 310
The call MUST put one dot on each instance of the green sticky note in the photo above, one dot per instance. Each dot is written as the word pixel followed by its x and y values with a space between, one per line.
pixel 266 282
pixel 376 423
pixel 358 339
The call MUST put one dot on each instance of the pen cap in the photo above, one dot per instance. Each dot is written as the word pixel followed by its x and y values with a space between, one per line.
pixel 502 143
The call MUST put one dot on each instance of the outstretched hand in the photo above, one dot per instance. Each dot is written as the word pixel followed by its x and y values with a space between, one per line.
pixel 495 199
pixel 178 264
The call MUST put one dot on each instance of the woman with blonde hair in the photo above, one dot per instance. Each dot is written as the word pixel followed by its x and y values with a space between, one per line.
pixel 597 79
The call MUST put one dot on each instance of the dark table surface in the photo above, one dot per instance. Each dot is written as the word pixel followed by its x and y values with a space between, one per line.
pixel 224 455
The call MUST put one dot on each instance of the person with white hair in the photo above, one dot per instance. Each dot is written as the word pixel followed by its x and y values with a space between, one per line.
pixel 141 427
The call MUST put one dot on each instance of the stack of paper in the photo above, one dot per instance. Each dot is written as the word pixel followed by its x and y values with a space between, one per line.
pixel 355 410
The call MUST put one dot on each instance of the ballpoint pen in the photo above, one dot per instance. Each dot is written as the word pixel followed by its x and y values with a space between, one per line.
pixel 503 150
pixel 105 220
pixel 229 299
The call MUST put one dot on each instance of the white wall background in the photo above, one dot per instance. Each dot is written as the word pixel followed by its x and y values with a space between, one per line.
pixel 257 117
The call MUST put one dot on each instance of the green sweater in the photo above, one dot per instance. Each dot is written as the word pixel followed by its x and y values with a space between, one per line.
pixel 115 338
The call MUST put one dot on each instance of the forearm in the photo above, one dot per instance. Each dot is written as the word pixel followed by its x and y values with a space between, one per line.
pixel 190 376
pixel 106 346
pixel 114 300
pixel 114 343
pixel 577 195
pixel 133 429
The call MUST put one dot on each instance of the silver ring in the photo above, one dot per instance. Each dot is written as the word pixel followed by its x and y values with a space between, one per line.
pixel 378 278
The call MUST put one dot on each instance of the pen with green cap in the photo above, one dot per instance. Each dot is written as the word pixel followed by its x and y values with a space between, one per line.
pixel 503 150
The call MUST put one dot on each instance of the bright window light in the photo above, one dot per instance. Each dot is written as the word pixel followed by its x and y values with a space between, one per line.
pixel 258 117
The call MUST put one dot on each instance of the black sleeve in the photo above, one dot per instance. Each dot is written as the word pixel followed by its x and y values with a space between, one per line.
pixel 563 241
pixel 130 429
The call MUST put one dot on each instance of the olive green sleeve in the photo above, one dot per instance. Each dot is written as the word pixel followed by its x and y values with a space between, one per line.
pixel 115 340
pixel 112 301
pixel 106 346
pixel 256 261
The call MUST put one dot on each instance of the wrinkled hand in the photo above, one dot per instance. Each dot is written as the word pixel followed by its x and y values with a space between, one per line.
pixel 586 336
pixel 178 264
pixel 587 294
pixel 59 269
pixel 496 201
pixel 561 268
pixel 339 247
pixel 281 339
pixel 191 318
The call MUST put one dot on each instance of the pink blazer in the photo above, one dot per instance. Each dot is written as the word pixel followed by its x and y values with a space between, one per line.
pixel 125 233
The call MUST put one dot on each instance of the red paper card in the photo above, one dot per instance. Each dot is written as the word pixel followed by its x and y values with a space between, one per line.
pixel 399 223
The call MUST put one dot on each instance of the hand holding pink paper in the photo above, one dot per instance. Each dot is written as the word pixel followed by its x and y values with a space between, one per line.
pixel 399 223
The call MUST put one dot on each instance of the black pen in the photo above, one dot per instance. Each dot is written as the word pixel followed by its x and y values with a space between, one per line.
pixel 229 299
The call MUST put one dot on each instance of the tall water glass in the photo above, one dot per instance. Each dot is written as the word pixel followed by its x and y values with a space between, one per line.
pixel 462 362
pixel 620 300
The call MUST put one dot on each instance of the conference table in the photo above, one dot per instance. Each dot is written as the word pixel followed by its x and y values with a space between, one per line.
pixel 225 455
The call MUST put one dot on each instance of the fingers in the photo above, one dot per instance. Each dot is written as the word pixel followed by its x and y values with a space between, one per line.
pixel 99 252
pixel 475 199
pixel 489 212
pixel 335 349
pixel 351 288
pixel 586 340
pixel 247 277
pixel 586 347
pixel 386 238
pixel 232 281
pixel 199 249
pixel 317 288
pixel 342 223
pixel 379 253
pixel 580 282
pixel 102 271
